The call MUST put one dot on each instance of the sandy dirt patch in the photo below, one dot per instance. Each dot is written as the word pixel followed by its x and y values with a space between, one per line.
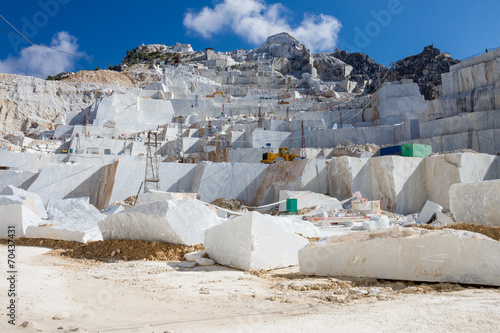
pixel 61 294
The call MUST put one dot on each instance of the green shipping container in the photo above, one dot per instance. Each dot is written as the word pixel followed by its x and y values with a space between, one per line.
pixel 291 206
pixel 415 150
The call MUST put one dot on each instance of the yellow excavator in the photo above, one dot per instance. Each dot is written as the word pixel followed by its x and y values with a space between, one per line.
pixel 215 93
pixel 282 156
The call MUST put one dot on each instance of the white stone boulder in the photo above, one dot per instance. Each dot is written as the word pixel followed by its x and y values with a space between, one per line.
pixel 442 171
pixel 428 212
pixel 16 215
pixel 65 230
pixel 398 182
pixel 477 203
pixel 221 214
pixel 113 209
pixel 296 225
pixel 370 225
pixel 442 220
pixel 30 200
pixel 253 242
pixel 377 222
pixel 60 207
pixel 406 254
pixel 205 262
pixel 306 199
pixel 411 218
pixel 69 219
pixel 174 221
pixel 154 196
pixel 193 256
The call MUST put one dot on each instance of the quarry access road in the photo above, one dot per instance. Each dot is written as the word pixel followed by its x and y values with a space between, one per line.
pixel 61 294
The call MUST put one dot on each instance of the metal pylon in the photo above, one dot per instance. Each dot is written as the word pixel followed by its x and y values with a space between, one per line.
pixel 152 180
pixel 179 144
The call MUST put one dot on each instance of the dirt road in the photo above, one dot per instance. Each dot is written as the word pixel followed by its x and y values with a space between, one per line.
pixel 59 294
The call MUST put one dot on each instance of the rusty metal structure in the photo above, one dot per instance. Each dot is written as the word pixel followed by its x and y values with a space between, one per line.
pixel 152 178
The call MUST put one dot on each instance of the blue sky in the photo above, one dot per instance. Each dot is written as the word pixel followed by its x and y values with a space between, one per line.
pixel 103 31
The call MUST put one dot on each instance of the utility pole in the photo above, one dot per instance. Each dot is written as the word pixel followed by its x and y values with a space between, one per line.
pixel 151 179
pixel 209 127
pixel 303 146
pixel 261 118
pixel 77 142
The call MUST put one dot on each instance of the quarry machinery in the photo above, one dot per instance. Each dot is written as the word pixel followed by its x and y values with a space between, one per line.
pixel 282 156
pixel 216 93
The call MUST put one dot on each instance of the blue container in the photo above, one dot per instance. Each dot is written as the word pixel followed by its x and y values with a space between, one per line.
pixel 391 150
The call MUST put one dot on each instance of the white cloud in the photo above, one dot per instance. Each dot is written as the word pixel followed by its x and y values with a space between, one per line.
pixel 255 20
pixel 40 61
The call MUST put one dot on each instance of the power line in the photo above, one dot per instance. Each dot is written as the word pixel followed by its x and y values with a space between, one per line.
pixel 26 38
pixel 88 59
pixel 16 29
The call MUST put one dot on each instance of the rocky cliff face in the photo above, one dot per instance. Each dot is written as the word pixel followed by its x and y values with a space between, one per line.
pixel 142 75
pixel 363 67
pixel 330 68
pixel 353 69
pixel 425 69
pixel 27 102
pixel 286 54
pixel 282 45
pixel 152 54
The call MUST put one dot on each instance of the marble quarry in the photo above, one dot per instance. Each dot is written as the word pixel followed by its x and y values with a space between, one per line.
pixel 147 154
